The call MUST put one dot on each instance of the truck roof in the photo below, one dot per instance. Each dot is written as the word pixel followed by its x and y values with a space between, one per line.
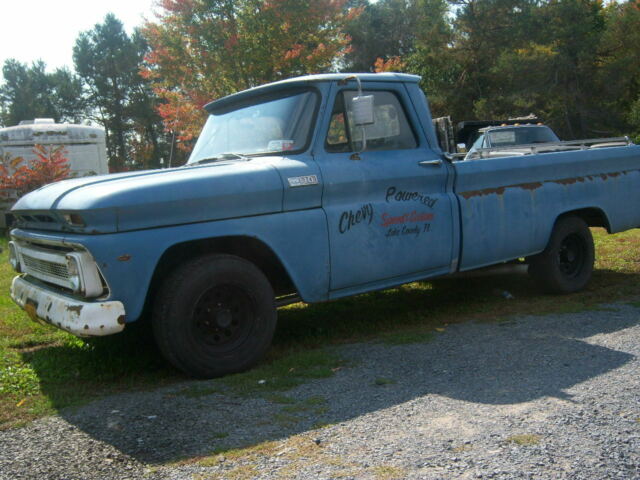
pixel 305 81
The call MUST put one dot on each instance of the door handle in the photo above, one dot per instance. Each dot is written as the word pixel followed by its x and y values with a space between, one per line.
pixel 430 163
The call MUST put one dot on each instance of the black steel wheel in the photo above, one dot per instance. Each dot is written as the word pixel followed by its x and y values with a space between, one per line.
pixel 214 315
pixel 572 255
pixel 566 264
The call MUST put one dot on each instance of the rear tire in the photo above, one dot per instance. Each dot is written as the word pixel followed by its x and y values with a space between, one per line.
pixel 566 265
pixel 214 315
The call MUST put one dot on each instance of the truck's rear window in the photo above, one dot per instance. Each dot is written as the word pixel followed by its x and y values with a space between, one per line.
pixel 521 136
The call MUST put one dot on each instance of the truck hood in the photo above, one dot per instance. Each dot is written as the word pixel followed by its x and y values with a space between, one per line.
pixel 153 198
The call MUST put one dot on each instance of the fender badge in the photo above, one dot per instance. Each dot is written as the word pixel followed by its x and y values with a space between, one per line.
pixel 303 181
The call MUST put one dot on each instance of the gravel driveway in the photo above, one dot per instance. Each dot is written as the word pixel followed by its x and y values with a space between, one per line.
pixel 533 397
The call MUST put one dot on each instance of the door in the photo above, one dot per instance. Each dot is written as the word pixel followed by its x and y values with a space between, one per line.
pixel 389 215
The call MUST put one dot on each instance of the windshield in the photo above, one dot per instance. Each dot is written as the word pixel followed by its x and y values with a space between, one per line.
pixel 521 136
pixel 270 126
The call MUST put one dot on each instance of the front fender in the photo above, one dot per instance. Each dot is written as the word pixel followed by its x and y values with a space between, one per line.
pixel 128 260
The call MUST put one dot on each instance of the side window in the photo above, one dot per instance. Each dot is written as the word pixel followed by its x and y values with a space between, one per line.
pixel 390 130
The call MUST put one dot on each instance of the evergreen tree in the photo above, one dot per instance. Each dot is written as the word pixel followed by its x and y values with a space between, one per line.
pixel 108 61
pixel 30 92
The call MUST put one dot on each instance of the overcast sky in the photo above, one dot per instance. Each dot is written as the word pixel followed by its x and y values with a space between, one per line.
pixel 47 30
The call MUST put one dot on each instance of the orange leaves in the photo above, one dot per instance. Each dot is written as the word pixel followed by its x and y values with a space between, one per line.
pixel 18 178
pixel 177 5
pixel 393 64
pixel 205 49
pixel 354 13
pixel 294 52
pixel 231 42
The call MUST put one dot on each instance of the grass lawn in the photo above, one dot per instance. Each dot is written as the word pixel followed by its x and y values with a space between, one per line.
pixel 43 369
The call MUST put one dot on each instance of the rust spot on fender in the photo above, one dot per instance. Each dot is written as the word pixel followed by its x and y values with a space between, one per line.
pixel 77 309
pixel 535 185
pixel 121 320
pixel 480 193
pixel 569 181
pixel 124 258
pixel 500 190
pixel 530 186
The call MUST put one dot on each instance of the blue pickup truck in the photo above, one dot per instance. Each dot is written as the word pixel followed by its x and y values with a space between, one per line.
pixel 313 189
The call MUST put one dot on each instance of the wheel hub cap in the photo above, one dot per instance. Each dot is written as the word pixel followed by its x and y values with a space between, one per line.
pixel 223 318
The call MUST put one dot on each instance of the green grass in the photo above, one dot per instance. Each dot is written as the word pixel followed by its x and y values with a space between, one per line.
pixel 285 371
pixel 524 440
pixel 43 370
pixel 406 337
pixel 281 399
pixel 315 400
pixel 196 391
pixel 388 472
pixel 384 381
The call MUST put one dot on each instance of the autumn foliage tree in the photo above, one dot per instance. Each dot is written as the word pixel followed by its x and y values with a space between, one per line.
pixel 19 177
pixel 204 49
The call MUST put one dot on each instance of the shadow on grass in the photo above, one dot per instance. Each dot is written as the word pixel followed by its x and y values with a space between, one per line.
pixel 488 362
pixel 81 370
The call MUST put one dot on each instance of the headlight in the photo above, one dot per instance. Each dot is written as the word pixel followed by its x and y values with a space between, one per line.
pixel 14 260
pixel 74 219
pixel 73 268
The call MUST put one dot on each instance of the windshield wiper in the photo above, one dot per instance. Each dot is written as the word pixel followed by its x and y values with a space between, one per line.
pixel 220 158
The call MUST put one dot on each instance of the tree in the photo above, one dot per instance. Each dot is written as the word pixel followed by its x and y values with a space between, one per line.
pixel 383 30
pixel 619 49
pixel 432 55
pixel 30 92
pixel 204 49
pixel 108 61
pixel 556 58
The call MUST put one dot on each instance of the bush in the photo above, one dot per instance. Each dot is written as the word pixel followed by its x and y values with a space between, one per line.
pixel 18 178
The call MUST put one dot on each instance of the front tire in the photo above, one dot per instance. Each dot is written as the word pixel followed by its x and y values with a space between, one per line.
pixel 566 265
pixel 214 315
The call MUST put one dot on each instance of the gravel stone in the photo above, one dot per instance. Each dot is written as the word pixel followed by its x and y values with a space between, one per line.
pixel 535 397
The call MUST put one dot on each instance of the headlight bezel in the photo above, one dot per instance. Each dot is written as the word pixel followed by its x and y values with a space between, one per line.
pixel 84 275
pixel 14 258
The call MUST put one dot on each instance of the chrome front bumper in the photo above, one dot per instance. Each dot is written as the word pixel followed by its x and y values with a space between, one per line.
pixel 84 319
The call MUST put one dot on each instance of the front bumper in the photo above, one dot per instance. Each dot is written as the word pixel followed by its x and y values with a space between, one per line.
pixel 84 319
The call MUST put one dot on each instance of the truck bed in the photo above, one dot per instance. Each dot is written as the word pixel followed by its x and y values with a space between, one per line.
pixel 508 205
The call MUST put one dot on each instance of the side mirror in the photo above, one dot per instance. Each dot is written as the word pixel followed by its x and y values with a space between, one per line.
pixel 363 110
pixel 462 148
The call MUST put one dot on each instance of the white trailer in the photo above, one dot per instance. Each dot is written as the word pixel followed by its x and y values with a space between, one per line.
pixel 85 148
pixel 85 145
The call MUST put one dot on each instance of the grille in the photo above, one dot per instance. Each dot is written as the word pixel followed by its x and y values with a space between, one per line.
pixel 37 266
